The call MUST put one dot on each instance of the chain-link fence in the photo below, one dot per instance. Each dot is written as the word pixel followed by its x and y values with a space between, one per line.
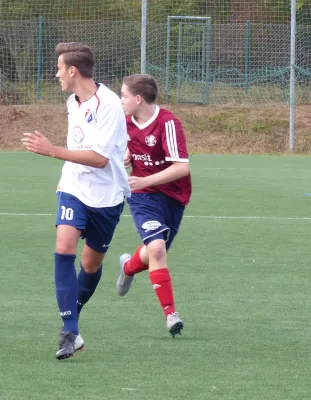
pixel 241 56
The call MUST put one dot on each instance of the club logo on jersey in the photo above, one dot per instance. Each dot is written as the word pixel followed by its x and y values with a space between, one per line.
pixel 151 225
pixel 88 116
pixel 150 140
pixel 78 135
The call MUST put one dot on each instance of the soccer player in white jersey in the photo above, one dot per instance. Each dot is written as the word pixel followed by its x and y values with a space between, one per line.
pixel 161 188
pixel 92 187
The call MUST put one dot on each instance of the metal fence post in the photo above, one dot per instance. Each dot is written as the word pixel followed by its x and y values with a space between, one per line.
pixel 292 76
pixel 247 45
pixel 168 55
pixel 143 38
pixel 39 59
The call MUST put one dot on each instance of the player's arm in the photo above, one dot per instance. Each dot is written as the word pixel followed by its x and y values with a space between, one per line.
pixel 176 171
pixel 127 158
pixel 39 144
pixel 85 157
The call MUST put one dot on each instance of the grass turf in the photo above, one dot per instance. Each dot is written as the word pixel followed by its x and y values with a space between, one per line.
pixel 240 269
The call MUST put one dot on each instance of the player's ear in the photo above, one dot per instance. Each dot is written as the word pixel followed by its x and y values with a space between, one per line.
pixel 138 99
pixel 72 71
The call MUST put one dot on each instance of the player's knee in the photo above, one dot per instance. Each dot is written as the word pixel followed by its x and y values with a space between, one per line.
pixel 65 248
pixel 91 266
pixel 156 250
pixel 67 238
pixel 91 259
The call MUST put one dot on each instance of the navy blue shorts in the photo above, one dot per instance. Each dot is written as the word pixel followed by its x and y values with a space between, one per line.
pixel 156 216
pixel 97 224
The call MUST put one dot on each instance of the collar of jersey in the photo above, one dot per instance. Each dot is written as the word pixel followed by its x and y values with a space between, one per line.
pixel 78 100
pixel 149 122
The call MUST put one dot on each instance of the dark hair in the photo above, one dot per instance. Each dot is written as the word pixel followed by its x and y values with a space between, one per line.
pixel 142 85
pixel 77 55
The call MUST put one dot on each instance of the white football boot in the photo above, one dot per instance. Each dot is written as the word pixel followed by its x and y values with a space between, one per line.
pixel 124 281
pixel 174 324
pixel 78 343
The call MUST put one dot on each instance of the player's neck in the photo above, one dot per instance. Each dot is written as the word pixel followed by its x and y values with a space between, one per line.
pixel 145 114
pixel 85 90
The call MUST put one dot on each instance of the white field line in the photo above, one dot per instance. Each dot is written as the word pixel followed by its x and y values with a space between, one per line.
pixel 251 217
pixel 252 169
pixel 212 168
pixel 292 156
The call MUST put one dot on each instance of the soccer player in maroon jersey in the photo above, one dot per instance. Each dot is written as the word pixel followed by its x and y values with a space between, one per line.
pixel 161 188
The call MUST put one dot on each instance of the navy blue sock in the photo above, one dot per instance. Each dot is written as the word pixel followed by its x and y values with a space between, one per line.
pixel 87 284
pixel 66 285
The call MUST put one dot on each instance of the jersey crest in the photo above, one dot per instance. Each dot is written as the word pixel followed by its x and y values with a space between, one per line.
pixel 88 115
pixel 78 134
pixel 150 140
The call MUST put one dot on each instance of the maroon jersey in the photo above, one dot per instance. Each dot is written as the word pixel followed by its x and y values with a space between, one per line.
pixel 154 146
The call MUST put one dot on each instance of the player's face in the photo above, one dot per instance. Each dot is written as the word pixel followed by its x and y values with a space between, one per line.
pixel 129 101
pixel 63 75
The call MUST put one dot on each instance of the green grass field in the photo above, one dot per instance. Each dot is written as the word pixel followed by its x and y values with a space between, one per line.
pixel 241 273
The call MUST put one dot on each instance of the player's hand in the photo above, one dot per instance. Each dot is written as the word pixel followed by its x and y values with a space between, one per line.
pixel 38 143
pixel 127 159
pixel 137 183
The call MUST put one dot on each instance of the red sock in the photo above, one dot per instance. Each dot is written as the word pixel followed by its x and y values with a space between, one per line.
pixel 162 284
pixel 134 264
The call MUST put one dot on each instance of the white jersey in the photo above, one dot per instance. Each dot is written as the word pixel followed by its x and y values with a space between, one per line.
pixel 97 124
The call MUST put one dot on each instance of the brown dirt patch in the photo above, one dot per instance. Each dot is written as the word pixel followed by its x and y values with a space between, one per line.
pixel 209 129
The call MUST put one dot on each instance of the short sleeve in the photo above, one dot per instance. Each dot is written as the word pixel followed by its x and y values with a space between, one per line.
pixel 110 120
pixel 174 141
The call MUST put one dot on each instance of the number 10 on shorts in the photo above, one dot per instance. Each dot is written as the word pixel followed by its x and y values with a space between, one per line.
pixel 67 213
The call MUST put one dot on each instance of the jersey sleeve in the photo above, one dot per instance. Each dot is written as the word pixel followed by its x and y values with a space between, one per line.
pixel 174 141
pixel 108 123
